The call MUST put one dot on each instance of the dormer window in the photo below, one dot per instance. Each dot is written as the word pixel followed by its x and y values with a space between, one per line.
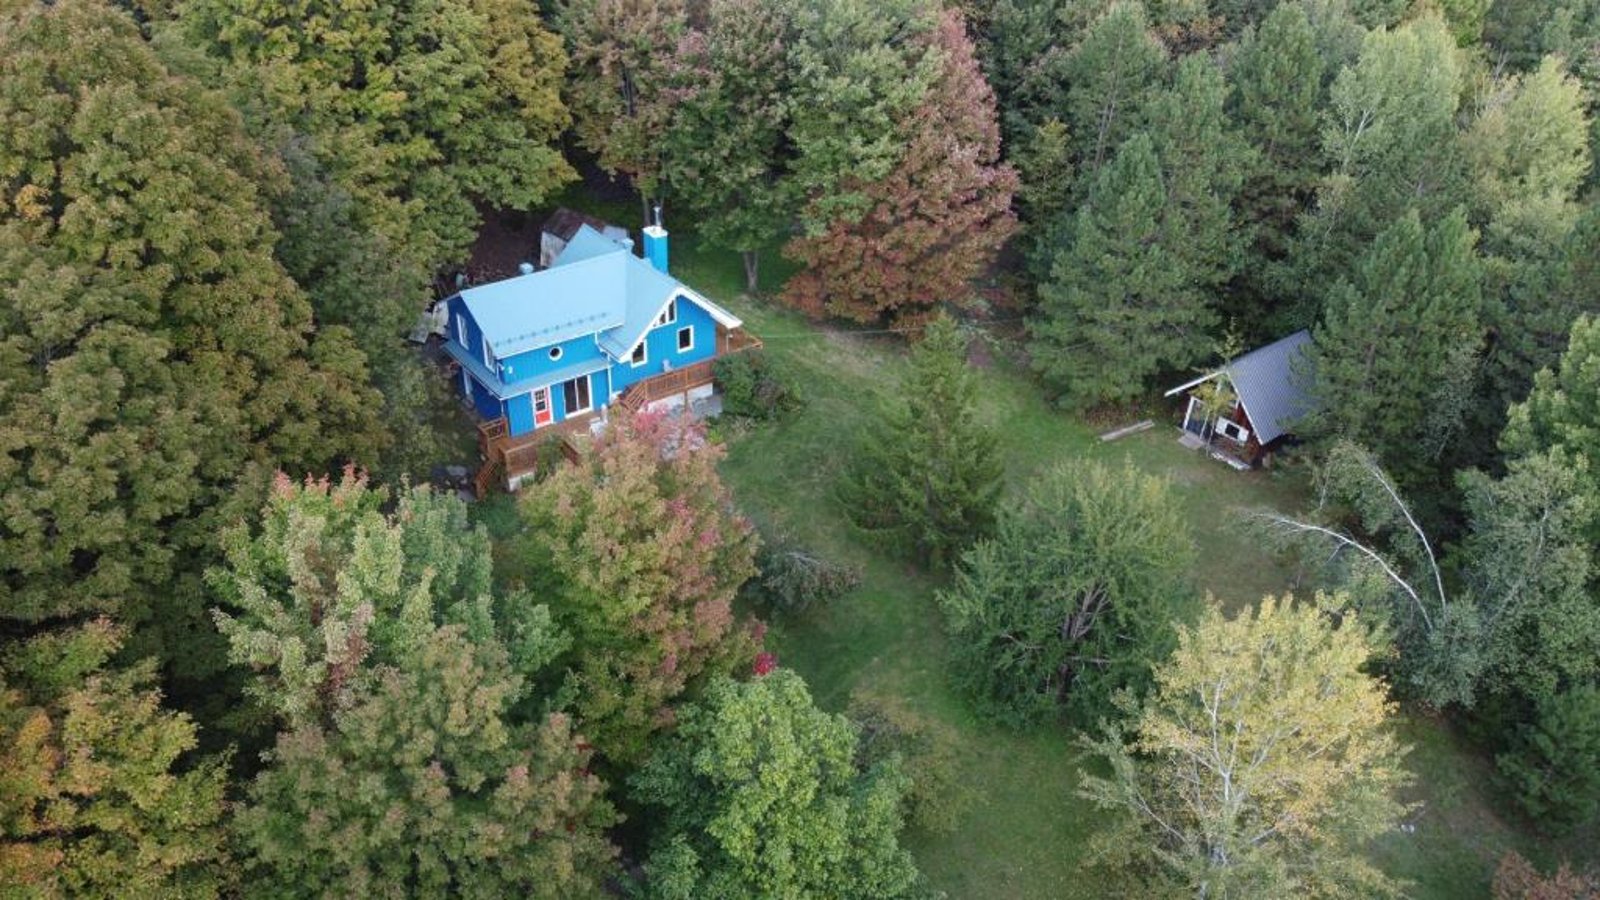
pixel 555 353
pixel 670 314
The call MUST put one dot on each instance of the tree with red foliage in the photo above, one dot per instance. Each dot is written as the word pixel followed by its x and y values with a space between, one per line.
pixel 935 222
pixel 639 552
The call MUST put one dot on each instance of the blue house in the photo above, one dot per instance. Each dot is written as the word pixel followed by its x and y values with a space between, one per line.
pixel 553 349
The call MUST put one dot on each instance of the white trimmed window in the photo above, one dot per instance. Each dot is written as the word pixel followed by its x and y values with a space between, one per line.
pixel 640 355
pixel 555 353
pixel 670 314
pixel 1233 430
pixel 488 361
pixel 461 329
pixel 685 339
pixel 576 394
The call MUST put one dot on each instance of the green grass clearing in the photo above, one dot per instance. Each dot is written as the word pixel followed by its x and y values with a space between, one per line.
pixel 1025 837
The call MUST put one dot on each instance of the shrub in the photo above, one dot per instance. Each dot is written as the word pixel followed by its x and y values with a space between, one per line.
pixel 1554 763
pixel 1517 879
pixel 927 750
pixel 752 387
pixel 794 578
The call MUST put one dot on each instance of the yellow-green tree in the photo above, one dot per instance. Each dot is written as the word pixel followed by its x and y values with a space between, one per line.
pixel 1260 764
pixel 93 799
pixel 153 353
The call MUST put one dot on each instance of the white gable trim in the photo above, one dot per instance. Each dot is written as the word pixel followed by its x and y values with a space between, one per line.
pixel 718 314
pixel 1189 384
pixel 723 317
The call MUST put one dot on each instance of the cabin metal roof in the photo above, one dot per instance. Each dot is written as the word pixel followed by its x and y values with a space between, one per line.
pixel 1270 382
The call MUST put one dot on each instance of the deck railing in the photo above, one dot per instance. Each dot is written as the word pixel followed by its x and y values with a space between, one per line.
pixel 510 457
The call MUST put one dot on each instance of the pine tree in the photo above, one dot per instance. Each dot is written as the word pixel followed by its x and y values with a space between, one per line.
pixel 641 554
pixel 1121 302
pixel 1203 160
pixel 1285 803
pixel 1421 290
pixel 724 154
pixel 1279 84
pixel 1562 412
pixel 936 220
pixel 1112 75
pixel 929 478
pixel 95 800
pixel 758 794
pixel 153 355
pixel 1073 598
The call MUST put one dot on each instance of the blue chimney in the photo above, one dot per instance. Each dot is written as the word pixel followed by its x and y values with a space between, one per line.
pixel 655 243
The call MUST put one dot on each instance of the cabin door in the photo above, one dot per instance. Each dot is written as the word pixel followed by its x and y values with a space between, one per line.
pixel 541 407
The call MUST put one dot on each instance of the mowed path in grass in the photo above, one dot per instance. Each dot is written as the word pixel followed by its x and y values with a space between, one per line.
pixel 1025 838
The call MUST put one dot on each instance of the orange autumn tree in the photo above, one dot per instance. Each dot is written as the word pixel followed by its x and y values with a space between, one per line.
pixel 934 223
pixel 639 552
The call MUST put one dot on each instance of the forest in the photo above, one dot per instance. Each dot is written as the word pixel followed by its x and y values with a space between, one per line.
pixel 898 623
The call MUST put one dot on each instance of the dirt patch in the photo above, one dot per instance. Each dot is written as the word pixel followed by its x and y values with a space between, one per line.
pixel 507 239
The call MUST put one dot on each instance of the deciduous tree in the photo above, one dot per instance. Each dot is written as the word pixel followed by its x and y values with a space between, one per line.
pixel 154 357
pixel 935 221
pixel 1392 142
pixel 413 756
pixel 928 478
pixel 1074 597
pixel 725 153
pixel 619 89
pixel 1262 763
pixel 758 794
pixel 860 67
pixel 94 801
pixel 641 554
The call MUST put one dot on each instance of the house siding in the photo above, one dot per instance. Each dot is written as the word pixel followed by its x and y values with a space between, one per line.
pixel 661 344
pixel 532 365
pixel 484 400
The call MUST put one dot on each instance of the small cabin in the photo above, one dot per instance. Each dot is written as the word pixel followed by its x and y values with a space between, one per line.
pixel 1249 407
pixel 550 351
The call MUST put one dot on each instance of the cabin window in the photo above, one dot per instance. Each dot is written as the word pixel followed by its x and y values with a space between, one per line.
pixel 576 394
pixel 685 339
pixel 555 353
pixel 639 354
pixel 670 314
pixel 1233 430
pixel 488 362
pixel 461 329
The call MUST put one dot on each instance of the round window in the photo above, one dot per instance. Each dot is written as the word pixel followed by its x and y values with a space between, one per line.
pixel 555 352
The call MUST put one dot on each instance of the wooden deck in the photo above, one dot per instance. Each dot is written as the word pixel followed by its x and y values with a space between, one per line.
pixel 506 458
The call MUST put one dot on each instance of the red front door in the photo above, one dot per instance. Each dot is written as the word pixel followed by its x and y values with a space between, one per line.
pixel 541 407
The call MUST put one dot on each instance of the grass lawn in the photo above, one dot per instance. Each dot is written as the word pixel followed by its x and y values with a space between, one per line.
pixel 1025 838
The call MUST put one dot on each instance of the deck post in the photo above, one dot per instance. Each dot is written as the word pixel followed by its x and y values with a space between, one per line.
pixel 1188 411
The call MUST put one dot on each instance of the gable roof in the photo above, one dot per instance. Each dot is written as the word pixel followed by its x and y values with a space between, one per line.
pixel 596 286
pixel 548 307
pixel 564 223
pixel 1270 383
